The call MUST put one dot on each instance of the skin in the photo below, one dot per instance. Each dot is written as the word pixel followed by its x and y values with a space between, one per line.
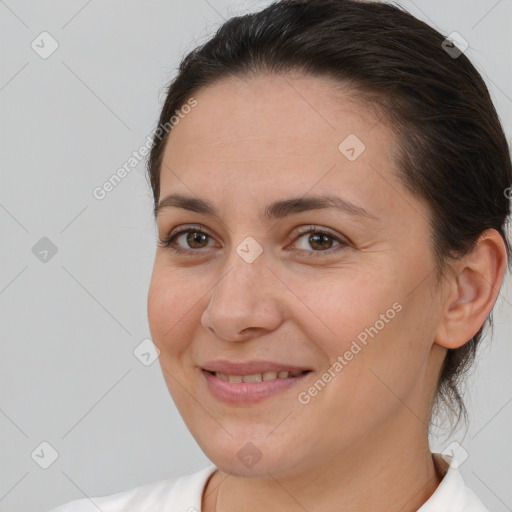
pixel 362 440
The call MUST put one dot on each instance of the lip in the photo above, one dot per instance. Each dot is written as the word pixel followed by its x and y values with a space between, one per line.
pixel 248 393
pixel 249 367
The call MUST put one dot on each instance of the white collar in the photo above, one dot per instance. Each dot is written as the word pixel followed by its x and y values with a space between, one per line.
pixel 451 495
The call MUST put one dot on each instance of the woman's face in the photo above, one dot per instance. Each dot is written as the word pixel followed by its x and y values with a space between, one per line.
pixel 352 301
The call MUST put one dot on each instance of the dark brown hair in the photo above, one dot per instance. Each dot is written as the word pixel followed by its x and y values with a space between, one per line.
pixel 452 151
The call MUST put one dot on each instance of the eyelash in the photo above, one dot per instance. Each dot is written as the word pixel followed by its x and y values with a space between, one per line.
pixel 304 230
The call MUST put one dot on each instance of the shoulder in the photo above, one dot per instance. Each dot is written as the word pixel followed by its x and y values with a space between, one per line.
pixel 183 493
pixel 452 494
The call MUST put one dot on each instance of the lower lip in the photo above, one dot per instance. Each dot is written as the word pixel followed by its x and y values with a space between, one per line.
pixel 239 393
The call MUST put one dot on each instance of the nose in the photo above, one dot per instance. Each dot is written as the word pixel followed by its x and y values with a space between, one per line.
pixel 244 302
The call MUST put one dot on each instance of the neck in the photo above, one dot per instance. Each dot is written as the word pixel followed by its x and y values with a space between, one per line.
pixel 369 477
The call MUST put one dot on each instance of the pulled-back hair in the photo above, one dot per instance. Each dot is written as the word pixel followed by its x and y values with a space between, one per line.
pixel 451 148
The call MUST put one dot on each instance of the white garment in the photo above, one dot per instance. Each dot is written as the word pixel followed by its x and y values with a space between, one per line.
pixel 184 495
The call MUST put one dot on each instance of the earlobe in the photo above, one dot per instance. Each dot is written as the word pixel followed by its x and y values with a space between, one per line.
pixel 474 288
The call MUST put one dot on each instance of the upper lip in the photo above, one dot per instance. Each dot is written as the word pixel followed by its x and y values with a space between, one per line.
pixel 249 367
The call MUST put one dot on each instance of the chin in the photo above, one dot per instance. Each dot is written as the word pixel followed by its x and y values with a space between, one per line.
pixel 235 467
pixel 240 456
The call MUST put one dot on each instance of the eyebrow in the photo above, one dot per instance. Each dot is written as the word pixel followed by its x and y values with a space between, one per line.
pixel 276 210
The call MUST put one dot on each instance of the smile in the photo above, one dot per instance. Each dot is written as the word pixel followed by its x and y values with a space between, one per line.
pixel 253 388
pixel 257 377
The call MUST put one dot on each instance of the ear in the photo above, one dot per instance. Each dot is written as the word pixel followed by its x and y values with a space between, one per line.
pixel 473 288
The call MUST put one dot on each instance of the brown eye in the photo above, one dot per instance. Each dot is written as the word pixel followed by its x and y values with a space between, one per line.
pixel 320 241
pixel 316 241
pixel 188 239
pixel 195 239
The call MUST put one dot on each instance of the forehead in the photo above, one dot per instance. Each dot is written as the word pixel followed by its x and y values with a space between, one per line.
pixel 274 123
pixel 270 116
pixel 283 135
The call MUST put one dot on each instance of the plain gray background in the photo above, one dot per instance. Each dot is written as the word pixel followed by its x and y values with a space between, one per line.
pixel 69 325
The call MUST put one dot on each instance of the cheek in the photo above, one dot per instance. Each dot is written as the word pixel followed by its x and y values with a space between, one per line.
pixel 356 307
pixel 173 306
pixel 374 330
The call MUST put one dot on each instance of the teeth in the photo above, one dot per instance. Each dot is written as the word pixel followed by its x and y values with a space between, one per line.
pixel 257 377
pixel 253 378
